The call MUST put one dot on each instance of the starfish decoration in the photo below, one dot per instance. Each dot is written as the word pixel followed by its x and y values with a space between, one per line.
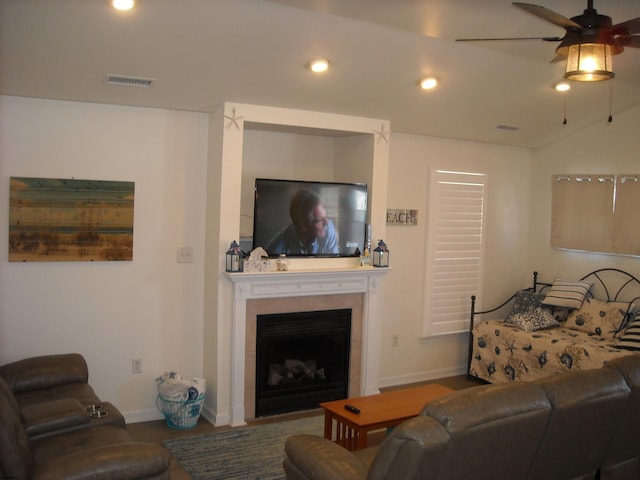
pixel 382 134
pixel 233 120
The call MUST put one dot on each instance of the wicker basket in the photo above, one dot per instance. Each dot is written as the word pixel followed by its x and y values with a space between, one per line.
pixel 180 414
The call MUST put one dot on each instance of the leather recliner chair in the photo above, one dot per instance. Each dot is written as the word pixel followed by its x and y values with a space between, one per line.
pixel 622 460
pixel 59 440
pixel 103 452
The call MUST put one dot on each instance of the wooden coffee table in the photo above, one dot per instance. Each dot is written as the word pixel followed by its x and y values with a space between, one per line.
pixel 376 412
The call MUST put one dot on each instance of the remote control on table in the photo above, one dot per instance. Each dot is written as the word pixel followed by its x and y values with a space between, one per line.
pixel 351 408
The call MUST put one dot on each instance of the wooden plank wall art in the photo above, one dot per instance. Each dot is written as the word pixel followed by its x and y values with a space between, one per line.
pixel 59 220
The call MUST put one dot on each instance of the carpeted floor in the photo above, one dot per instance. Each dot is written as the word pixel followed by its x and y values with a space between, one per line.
pixel 245 453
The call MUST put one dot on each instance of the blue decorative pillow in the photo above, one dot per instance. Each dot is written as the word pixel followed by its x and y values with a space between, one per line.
pixel 538 319
pixel 526 301
pixel 529 314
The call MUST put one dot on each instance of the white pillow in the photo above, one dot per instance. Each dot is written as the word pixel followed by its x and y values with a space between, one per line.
pixel 566 293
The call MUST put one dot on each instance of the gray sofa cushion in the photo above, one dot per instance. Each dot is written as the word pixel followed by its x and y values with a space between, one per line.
pixel 486 425
pixel 586 409
pixel 414 449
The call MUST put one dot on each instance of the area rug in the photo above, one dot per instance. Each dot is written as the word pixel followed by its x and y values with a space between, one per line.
pixel 253 452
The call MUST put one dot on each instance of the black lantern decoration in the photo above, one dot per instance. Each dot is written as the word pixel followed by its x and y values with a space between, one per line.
pixel 234 258
pixel 381 255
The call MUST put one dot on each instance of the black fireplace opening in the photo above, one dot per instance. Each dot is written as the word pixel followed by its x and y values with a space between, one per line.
pixel 302 359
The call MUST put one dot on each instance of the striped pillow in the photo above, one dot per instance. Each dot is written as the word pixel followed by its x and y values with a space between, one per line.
pixel 565 293
pixel 631 337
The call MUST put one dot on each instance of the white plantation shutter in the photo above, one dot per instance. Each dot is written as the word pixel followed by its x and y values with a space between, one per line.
pixel 455 244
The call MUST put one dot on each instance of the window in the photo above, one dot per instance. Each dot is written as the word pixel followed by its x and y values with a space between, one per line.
pixel 596 213
pixel 455 243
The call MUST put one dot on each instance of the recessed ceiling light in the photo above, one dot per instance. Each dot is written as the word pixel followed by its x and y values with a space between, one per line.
pixel 123 4
pixel 320 65
pixel 562 86
pixel 428 83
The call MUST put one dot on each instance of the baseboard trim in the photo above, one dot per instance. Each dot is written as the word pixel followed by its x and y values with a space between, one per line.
pixel 146 415
pixel 422 376
pixel 216 419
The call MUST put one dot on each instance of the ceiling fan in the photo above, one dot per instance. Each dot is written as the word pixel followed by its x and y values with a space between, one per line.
pixel 588 28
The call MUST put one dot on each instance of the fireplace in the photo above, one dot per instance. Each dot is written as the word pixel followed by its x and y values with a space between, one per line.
pixel 302 359
pixel 264 293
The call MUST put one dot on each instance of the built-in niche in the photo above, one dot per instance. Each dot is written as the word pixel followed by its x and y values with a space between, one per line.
pixel 360 154
pixel 299 154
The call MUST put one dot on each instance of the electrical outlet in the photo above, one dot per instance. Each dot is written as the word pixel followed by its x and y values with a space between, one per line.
pixel 136 365
pixel 395 340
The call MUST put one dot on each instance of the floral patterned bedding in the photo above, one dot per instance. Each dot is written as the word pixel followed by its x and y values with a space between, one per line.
pixel 502 352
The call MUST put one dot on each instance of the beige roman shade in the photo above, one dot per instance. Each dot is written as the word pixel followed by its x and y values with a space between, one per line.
pixel 626 220
pixel 596 213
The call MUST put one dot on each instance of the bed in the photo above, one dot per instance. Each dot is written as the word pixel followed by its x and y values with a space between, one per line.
pixel 556 327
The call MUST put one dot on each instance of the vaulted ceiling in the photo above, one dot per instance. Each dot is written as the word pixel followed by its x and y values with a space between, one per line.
pixel 201 53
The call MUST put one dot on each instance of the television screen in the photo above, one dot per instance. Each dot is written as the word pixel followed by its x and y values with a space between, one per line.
pixel 300 218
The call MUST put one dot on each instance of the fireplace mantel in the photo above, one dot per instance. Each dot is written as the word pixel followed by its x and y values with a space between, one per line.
pixel 296 283
pixel 293 283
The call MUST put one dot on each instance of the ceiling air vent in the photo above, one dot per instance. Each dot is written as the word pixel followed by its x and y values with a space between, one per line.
pixel 129 81
pixel 508 128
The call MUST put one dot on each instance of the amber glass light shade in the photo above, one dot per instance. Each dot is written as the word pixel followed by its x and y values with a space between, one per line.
pixel 589 62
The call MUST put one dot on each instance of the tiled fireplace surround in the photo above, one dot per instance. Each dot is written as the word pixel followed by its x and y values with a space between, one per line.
pixel 301 304
pixel 297 291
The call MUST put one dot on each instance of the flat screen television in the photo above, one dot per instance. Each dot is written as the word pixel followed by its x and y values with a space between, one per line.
pixel 302 218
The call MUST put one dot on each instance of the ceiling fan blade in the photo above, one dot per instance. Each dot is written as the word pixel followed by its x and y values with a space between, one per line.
pixel 544 39
pixel 548 15
pixel 630 26
pixel 629 41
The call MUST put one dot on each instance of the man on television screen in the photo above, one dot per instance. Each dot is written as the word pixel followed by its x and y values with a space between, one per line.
pixel 310 231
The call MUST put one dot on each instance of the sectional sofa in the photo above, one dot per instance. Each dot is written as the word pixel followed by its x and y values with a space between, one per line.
pixel 581 425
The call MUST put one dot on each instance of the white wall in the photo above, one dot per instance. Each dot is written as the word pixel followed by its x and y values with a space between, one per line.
pixel 110 311
pixel 518 229
pixel 153 307
pixel 603 149
pixel 509 173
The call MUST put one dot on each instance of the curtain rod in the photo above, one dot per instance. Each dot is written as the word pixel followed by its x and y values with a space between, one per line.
pixel 599 178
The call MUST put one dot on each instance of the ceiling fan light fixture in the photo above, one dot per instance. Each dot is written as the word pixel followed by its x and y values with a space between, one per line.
pixel 589 62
